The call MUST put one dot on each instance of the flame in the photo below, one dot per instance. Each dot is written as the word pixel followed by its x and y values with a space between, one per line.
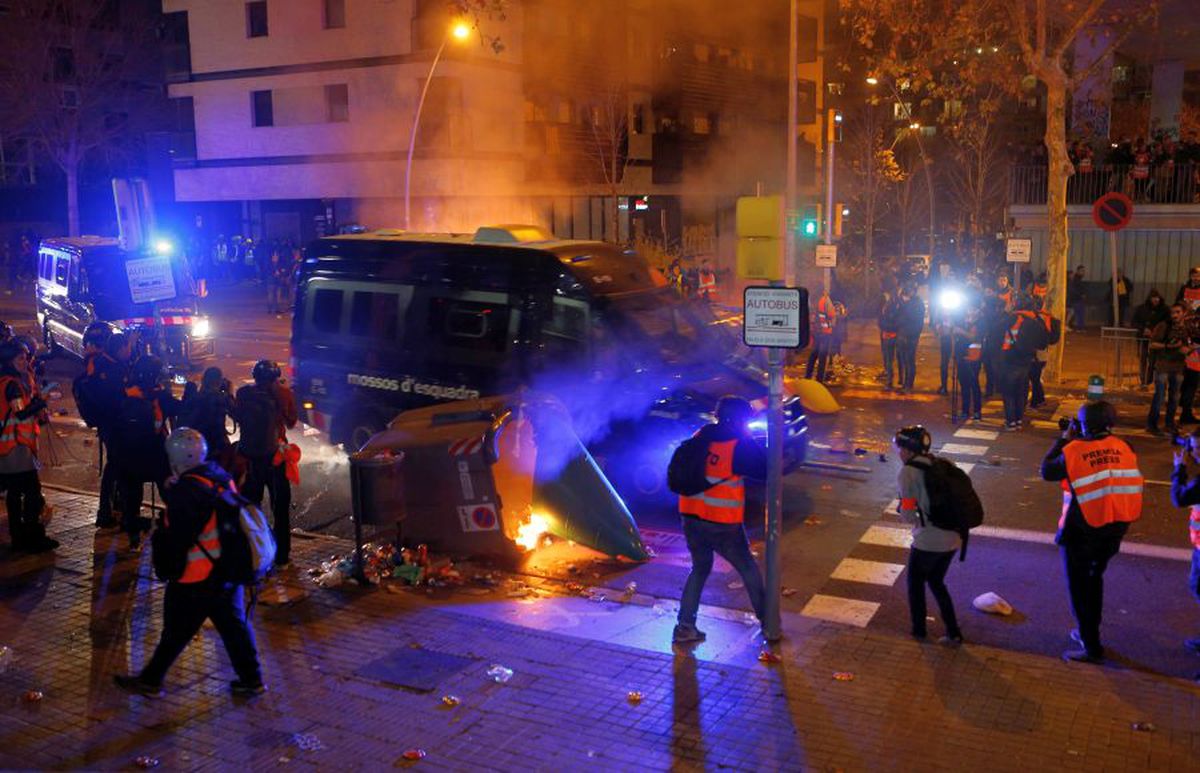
pixel 529 534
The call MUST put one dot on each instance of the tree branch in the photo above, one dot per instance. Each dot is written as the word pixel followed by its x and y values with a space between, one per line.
pixel 1082 20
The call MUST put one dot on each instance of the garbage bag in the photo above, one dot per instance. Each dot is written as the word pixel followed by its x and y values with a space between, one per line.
pixel 993 604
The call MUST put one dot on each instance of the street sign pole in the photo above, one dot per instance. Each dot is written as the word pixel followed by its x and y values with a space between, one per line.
pixel 774 581
pixel 1112 254
pixel 830 117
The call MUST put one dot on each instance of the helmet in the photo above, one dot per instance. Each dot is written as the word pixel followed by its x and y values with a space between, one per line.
pixel 1097 418
pixel 915 438
pixel 96 334
pixel 734 410
pixel 148 372
pixel 186 448
pixel 265 371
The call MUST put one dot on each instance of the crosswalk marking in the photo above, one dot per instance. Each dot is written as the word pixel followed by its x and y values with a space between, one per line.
pixel 964 449
pixel 892 537
pixel 976 434
pixel 836 609
pixel 966 467
pixel 871 572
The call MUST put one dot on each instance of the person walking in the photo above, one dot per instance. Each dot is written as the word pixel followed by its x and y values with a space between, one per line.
pixel 1102 494
pixel 889 327
pixel 1185 492
pixel 1145 318
pixel 201 593
pixel 912 321
pixel 97 394
pixel 933 549
pixel 1024 336
pixel 825 321
pixel 1168 347
pixel 968 357
pixel 713 519
pixel 20 415
pixel 265 411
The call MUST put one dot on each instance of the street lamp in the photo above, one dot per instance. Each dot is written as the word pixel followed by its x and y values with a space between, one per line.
pixel 459 31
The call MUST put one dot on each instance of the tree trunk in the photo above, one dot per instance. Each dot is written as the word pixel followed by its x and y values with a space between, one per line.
pixel 1058 241
pixel 72 171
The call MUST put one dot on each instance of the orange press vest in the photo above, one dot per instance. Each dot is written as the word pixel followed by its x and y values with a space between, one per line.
pixel 1103 477
pixel 200 562
pixel 707 283
pixel 1010 335
pixel 725 502
pixel 14 431
pixel 1007 297
pixel 1040 289
pixel 1191 297
pixel 825 316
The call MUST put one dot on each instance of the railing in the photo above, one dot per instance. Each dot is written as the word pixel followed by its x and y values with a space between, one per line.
pixel 1163 184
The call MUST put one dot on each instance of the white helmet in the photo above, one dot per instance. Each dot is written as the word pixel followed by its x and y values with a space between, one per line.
pixel 186 448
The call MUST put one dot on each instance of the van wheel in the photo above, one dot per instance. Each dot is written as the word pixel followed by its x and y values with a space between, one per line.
pixel 359 430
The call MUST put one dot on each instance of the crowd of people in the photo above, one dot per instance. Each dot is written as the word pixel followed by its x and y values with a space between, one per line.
pixel 271 263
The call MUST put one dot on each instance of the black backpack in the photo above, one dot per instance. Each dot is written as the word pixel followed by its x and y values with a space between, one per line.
pixel 81 389
pixel 169 552
pixel 953 503
pixel 257 418
pixel 685 471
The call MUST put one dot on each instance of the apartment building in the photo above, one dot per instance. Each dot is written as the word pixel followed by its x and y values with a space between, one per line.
pixel 619 119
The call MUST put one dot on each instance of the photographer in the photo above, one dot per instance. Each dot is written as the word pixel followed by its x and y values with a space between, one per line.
pixel 1186 493
pixel 1168 347
pixel 1102 492
pixel 207 410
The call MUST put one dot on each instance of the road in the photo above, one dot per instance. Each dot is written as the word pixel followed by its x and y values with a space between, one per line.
pixel 843 555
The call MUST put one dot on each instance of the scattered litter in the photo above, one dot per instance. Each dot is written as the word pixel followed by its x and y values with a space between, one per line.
pixel 311 432
pixel 749 618
pixel 6 658
pixel 146 762
pixel 384 561
pixel 284 760
pixel 788 592
pixel 629 592
pixel 595 595
pixel 1144 727
pixel 993 604
pixel 450 701
pixel 766 656
pixel 634 697
pixel 883 457
pixel 826 487
pixel 736 584
pixel 499 674
pixel 813 520
pixel 412 755
pixel 860 452
pixel 660 609
pixel 32 696
pixel 572 569
pixel 843 676
pixel 307 742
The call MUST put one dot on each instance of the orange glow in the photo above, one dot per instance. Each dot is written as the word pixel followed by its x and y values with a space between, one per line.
pixel 461 30
pixel 529 534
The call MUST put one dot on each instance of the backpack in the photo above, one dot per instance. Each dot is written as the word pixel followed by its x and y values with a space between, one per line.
pixel 247 542
pixel 953 503
pixel 257 418
pixel 685 471
pixel 81 388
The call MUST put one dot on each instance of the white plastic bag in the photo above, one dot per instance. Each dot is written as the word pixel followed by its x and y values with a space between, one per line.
pixel 993 604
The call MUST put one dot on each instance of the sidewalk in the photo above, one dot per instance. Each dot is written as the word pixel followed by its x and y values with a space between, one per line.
pixel 75 619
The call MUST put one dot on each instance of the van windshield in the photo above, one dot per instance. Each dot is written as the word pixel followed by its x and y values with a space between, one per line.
pixel 660 327
pixel 108 285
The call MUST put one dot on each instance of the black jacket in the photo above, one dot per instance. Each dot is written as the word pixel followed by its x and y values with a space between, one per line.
pixel 1147 316
pixel 749 458
pixel 911 317
pixel 190 503
pixel 205 412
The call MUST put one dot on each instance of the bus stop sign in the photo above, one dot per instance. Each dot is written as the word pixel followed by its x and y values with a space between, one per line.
pixel 1112 211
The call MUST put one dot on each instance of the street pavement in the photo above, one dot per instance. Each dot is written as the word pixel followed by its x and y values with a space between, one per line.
pixel 1005 701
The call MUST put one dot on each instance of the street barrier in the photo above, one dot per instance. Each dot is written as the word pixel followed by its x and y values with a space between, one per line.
pixel 1122 359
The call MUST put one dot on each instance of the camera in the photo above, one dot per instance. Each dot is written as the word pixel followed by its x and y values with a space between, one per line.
pixel 1065 424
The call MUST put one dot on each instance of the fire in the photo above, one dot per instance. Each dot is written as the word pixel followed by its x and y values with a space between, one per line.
pixel 529 534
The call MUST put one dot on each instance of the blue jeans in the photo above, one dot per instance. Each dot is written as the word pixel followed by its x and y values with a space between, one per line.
pixel 1194 580
pixel 1169 383
pixel 968 382
pixel 888 348
pixel 728 540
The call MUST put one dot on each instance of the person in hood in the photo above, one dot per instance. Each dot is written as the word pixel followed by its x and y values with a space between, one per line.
pixel 201 593
pixel 713 519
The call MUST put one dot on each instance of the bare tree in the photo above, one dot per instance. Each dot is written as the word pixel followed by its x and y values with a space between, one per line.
pixel 80 80
pixel 607 119
pixel 975 167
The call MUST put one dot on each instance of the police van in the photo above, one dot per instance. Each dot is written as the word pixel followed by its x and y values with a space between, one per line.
pixel 86 279
pixel 389 321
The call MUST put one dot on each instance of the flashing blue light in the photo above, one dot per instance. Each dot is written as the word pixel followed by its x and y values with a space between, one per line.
pixel 757 425
pixel 163 247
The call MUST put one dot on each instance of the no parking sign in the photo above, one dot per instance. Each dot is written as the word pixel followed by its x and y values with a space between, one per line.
pixel 478 517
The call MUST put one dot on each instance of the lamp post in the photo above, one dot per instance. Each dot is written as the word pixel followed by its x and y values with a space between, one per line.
pixel 460 31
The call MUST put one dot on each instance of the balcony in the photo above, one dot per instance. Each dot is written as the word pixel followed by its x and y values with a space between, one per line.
pixel 1164 184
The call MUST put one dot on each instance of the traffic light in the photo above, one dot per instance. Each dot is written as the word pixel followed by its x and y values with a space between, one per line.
pixel 834 126
pixel 810 222
pixel 839 211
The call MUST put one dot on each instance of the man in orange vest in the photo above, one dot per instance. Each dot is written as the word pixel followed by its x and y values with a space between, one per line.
pixel 1102 495
pixel 707 286
pixel 200 593
pixel 1189 293
pixel 825 322
pixel 1186 493
pixel 712 520
pixel 20 407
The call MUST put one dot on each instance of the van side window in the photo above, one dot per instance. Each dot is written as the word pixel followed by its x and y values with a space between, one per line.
pixel 44 263
pixel 61 271
pixel 374 315
pixel 327 311
pixel 469 325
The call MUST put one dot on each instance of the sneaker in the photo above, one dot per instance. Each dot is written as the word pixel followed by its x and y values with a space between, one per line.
pixel 977 417
pixel 41 544
pixel 686 634
pixel 1011 426
pixel 1082 656
pixel 247 689
pixel 135 683
pixel 949 640
pixel 1193 645
pixel 766 638
pixel 1075 637
pixel 943 391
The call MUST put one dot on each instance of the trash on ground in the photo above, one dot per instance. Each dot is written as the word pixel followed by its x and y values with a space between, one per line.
pixel 307 742
pixel 499 674
pixel 993 604
pixel 146 762
pixel 787 592
pixel 413 755
pixel 843 676
pixel 1144 727
pixel 629 592
pixel 766 656
pixel 384 561
pixel 813 520
pixel 450 701
pixel 633 696
pixel 6 658
pixel 32 696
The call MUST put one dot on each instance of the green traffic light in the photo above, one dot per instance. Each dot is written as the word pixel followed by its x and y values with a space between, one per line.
pixel 810 227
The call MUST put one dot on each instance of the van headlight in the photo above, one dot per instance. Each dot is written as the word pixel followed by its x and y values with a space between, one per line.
pixel 201 328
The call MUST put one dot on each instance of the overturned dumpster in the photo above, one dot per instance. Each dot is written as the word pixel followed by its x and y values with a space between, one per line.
pixel 490 477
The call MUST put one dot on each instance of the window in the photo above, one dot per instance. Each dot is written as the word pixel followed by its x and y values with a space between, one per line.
pixel 327 311
pixel 264 112
pixel 335 14
pixel 469 325
pixel 61 269
pixel 256 19
pixel 374 315
pixel 337 103
pixel 44 262
pixel 701 124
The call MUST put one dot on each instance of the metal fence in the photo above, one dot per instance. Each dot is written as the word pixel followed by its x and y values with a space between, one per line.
pixel 1165 184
